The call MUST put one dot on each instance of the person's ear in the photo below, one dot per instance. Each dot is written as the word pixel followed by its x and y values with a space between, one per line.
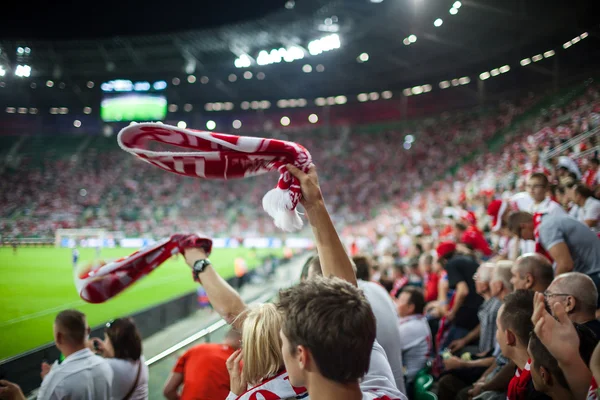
pixel 528 281
pixel 570 304
pixel 59 337
pixel 511 338
pixel 546 376
pixel 302 357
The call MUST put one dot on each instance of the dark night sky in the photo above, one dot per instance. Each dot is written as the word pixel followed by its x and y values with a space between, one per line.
pixel 80 19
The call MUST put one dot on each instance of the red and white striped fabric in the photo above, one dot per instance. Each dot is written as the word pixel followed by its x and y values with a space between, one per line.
pixel 537 220
pixel 102 282
pixel 275 388
pixel 211 155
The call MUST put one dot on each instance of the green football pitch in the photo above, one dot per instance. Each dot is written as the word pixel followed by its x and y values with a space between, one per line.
pixel 37 283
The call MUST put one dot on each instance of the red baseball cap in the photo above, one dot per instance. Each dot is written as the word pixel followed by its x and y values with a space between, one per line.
pixel 445 248
pixel 495 210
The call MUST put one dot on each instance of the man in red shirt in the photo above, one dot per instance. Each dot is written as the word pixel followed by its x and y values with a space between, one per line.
pixel 431 278
pixel 202 371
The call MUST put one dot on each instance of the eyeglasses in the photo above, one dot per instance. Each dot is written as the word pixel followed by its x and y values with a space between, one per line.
pixel 537 186
pixel 548 294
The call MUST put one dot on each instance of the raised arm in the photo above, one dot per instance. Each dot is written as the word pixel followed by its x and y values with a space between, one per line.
pixel 332 254
pixel 224 299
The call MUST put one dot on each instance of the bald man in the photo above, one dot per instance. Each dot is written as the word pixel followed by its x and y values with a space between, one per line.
pixel 532 271
pixel 577 293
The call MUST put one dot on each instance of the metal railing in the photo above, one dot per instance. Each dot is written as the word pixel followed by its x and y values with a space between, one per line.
pixel 571 142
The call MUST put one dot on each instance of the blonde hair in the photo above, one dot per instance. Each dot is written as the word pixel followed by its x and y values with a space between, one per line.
pixel 261 345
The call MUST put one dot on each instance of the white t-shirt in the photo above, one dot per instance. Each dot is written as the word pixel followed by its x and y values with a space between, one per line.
pixel 379 381
pixel 548 206
pixel 82 376
pixel 590 211
pixel 125 372
pixel 416 344
pixel 388 333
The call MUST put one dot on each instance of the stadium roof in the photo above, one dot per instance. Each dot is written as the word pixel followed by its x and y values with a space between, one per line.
pixel 377 48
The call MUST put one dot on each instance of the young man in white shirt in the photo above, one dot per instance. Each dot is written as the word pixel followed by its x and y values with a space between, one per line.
pixel 537 186
pixel 82 374
pixel 588 206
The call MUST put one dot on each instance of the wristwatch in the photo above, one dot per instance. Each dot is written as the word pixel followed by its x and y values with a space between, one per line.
pixel 199 267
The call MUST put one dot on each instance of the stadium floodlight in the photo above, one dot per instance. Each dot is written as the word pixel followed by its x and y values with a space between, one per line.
pixel 504 69
pixel 87 110
pixel 210 125
pixel 537 57
pixel 495 72
pixel 320 68
pixel 11 110
pixel 247 75
pixel 141 86
pixel 265 104
pixel 465 80
pixel 313 118
pixel 453 11
pixel 549 53
pixel 232 77
pixel 426 88
pixel 90 84
pixel 407 92
pixel 331 100
pixel 387 94
pixel 484 75
pixel 444 85
pixel 285 121
pixel 320 101
pixel 307 68
pixel 282 103
pixel 187 107
pixel 263 58
pixel 406 41
pixel 191 79
pixel 584 35
pixel 242 61
pixel 373 96
pixel 255 105
pixel 33 111
pixel 204 80
pixel 260 76
pixel 409 139
pixel 567 45
pixel 525 61
pixel 228 106
pixel 175 81
pixel 159 85
pixel 438 22
pixel 407 145
pixel 23 71
pixel 182 124
pixel 326 43
pixel 237 124
pixel 302 102
pixel 457 5
pixel 455 82
pixel 2 71
pixel 173 108
pixel 77 123
pixel 245 105
pixel 575 40
pixel 22 110
pixel 20 50
pixel 363 57
pixel 49 83
pixel 53 110
pixel 341 99
pixel 362 97
pixel 412 38
pixel 217 106
pixel 417 90
pixel 208 107
pixel 376 1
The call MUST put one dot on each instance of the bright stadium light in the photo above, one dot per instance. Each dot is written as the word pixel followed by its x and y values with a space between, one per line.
pixel 242 61
pixel 525 61
pixel 537 57
pixel 208 107
pixel 455 82
pixel 575 40
pixel 2 71
pixel 438 22
pixel 386 94
pixel 412 38
pixel 409 139
pixel 362 97
pixel 265 105
pixel 495 72
pixel 20 50
pixel 290 4
pixel 191 79
pixel 285 121
pixel 302 103
pixel 457 4
pixel 376 1
pixel 313 118
pixel 23 71
pixel 340 100
pixel 326 43
pixel 255 105
pixel 320 101
pixel 245 105
pixel 90 84
pixel 504 69
pixel 465 80
pixel 204 80
pixel 567 45
pixel 175 81
pixel 444 85
pixel 584 35
pixel 406 41
pixel 182 124
pixel 453 11
pixel 188 107
pixel 417 90
pixel 407 92
pixel 307 68
pixel 373 96
pixel 363 57
pixel 283 103
pixel 260 76
pixel 427 88
pixel 232 77
pixel 549 53
pixel 217 106
pixel 210 125
pixel 407 145
pixel 331 100
pixel 237 124
pixel 247 75
pixel 87 110
pixel 173 108
pixel 63 110
pixel 77 123
pixel 484 75
pixel 320 68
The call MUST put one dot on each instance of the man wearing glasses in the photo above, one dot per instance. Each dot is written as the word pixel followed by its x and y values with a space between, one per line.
pixel 579 296
pixel 537 186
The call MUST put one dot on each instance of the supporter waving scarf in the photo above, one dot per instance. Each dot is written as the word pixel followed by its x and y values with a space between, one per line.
pixel 211 155
pixel 96 284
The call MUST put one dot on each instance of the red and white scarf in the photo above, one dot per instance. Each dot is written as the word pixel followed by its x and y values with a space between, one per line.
pixel 517 387
pixel 211 155
pixel 96 284
pixel 275 388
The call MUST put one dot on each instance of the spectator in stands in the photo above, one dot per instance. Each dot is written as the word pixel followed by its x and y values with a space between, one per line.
pixel 460 269
pixel 389 336
pixel 464 372
pixel 122 348
pixel 400 279
pixel 538 187
pixel 579 296
pixel 415 334
pixel 430 277
pixel 500 284
pixel 514 326
pixel 82 374
pixel 202 371
pixel 588 206
pixel 546 374
pixel 571 244
pixel 591 178
pixel 472 238
pixel 532 271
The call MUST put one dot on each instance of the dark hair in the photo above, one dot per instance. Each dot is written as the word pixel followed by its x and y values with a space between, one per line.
pixel 517 218
pixel 516 316
pixel 460 226
pixel 363 265
pixel 541 176
pixel 595 161
pixel 419 247
pixel 583 190
pixel 125 338
pixel 316 315
pixel 541 357
pixel 306 267
pixel 399 267
pixel 557 189
pixel 416 298
pixel 72 324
